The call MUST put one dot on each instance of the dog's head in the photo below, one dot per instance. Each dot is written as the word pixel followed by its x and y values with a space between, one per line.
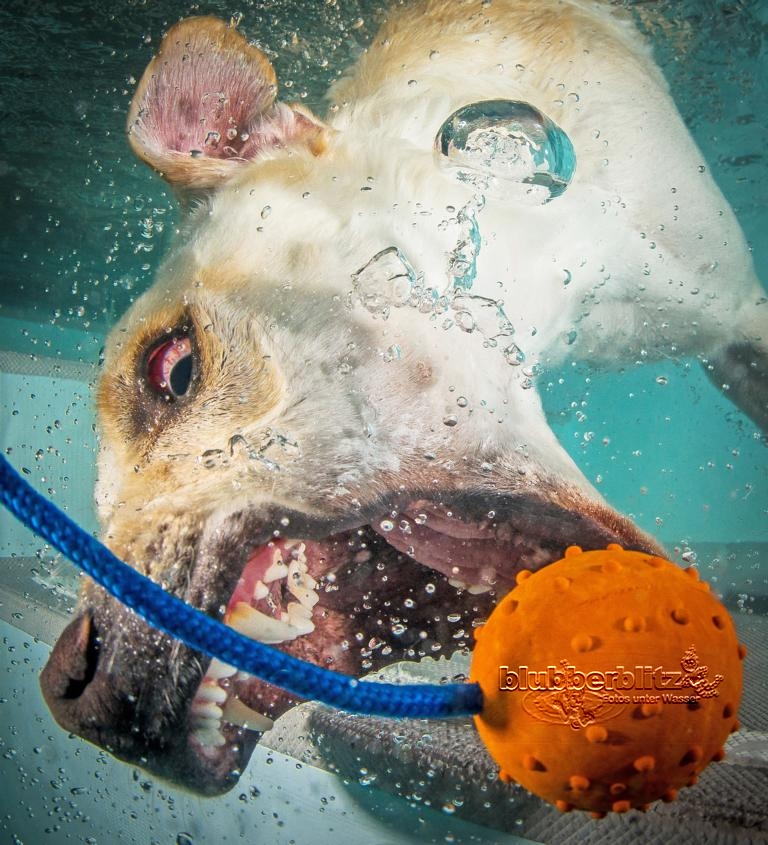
pixel 309 429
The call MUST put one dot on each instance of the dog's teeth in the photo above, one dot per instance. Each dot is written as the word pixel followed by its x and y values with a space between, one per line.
pixel 297 610
pixel 205 709
pixel 211 692
pixel 260 591
pixel 301 625
pixel 308 598
pixel 301 584
pixel 459 585
pixel 237 713
pixel 207 733
pixel 275 571
pixel 266 629
pixel 218 670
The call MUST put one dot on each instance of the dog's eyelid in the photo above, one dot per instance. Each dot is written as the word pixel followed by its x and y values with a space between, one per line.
pixel 169 366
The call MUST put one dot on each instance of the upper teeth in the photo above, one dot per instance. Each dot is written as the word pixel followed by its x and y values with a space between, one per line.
pixel 266 629
pixel 301 584
pixel 212 703
pixel 276 570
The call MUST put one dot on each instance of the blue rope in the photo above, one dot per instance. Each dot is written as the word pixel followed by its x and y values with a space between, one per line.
pixel 203 633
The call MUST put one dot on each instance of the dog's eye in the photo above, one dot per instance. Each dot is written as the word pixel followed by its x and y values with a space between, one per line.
pixel 169 367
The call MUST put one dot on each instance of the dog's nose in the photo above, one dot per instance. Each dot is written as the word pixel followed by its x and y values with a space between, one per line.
pixel 83 699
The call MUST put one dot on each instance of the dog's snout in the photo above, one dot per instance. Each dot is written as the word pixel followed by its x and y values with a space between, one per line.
pixel 73 662
pixel 81 698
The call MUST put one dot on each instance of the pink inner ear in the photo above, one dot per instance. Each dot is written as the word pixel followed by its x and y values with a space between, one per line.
pixel 204 94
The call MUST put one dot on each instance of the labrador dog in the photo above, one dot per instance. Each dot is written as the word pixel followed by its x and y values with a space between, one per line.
pixel 321 424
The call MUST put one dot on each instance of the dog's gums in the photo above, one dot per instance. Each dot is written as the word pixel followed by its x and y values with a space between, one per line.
pixel 322 423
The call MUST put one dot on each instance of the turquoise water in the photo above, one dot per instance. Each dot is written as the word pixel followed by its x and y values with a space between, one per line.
pixel 83 229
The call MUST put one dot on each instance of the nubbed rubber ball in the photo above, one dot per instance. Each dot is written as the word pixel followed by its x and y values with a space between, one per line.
pixel 610 679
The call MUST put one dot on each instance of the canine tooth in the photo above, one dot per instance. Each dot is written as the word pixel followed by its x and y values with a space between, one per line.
pixel 211 692
pixel 478 589
pixel 459 585
pixel 237 713
pixel 218 670
pixel 275 571
pixel 258 626
pixel 260 590
pixel 205 709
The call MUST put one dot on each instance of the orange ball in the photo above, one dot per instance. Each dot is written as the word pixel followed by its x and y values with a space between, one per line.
pixel 610 679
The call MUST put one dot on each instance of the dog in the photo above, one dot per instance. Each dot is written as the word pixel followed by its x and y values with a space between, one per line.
pixel 321 424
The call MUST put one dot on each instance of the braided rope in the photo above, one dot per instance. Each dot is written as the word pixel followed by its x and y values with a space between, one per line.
pixel 203 633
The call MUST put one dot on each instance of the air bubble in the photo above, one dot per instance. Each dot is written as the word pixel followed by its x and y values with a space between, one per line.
pixel 498 145
pixel 465 321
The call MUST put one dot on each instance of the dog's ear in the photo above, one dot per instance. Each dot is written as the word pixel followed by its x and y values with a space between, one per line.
pixel 207 103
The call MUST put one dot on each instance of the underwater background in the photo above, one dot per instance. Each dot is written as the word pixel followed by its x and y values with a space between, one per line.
pixel 84 226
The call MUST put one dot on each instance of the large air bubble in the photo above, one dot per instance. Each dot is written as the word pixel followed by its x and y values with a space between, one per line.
pixel 508 150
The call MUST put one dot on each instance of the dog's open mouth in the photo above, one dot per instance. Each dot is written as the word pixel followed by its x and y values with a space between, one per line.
pixel 414 580
pixel 414 583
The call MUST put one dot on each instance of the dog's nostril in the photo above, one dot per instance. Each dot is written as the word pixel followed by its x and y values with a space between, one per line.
pixel 73 662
